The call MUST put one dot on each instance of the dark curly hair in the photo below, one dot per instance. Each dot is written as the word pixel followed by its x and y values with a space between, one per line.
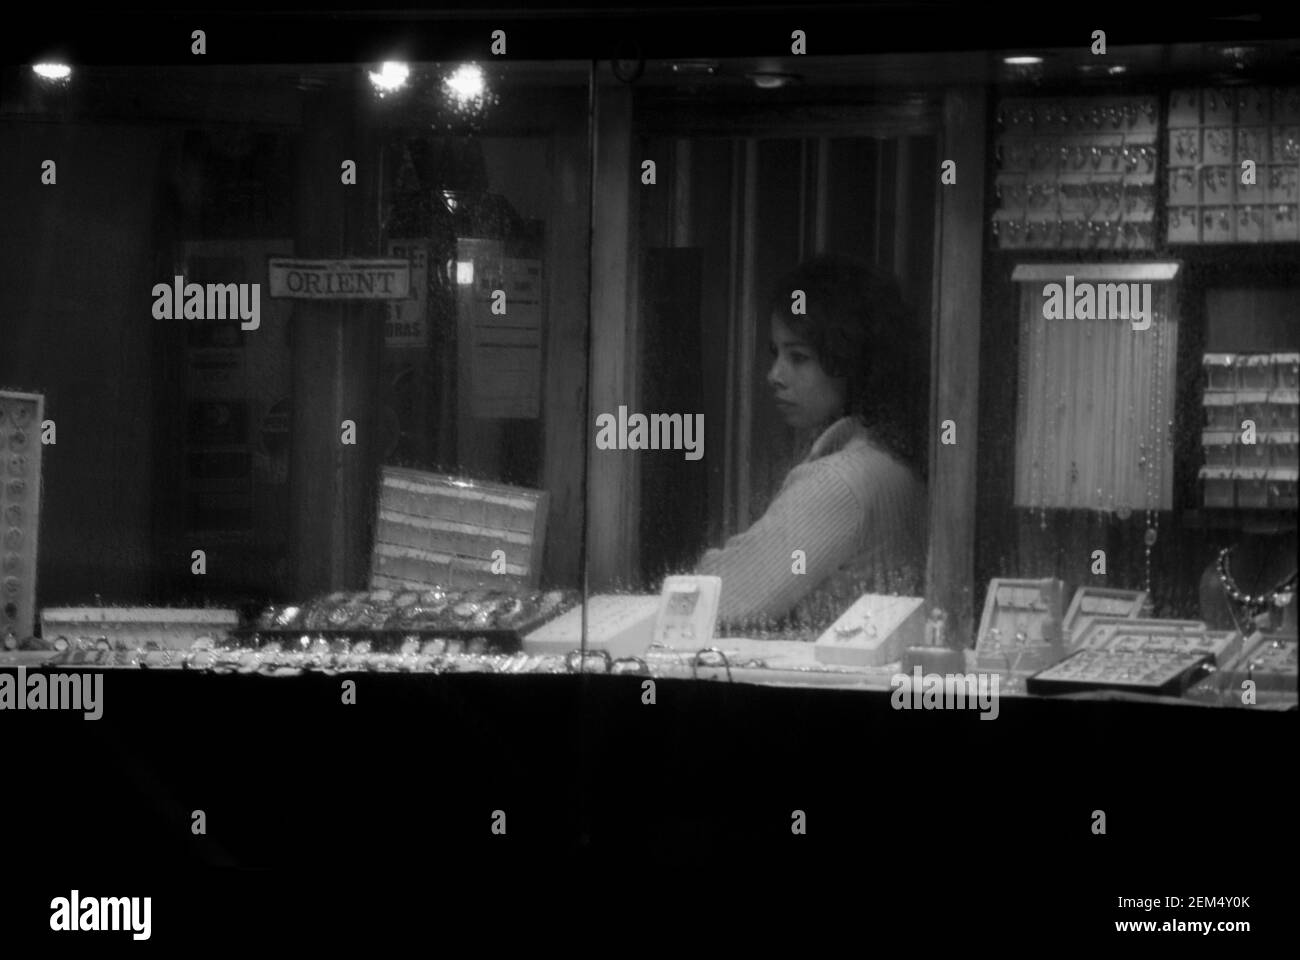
pixel 863 330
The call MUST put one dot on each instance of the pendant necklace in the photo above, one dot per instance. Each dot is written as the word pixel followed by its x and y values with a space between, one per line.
pixel 1254 605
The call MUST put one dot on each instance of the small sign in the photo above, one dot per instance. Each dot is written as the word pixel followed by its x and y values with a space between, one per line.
pixel 408 320
pixel 339 279
pixel 688 609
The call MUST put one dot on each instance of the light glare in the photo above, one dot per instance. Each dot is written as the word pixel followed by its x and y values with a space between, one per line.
pixel 392 76
pixel 52 71
pixel 466 83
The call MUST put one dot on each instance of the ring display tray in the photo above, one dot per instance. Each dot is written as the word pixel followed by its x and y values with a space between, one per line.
pixel 385 640
pixel 171 627
pixel 1164 674
pixel 1271 663
pixel 1130 635
pixel 494 620
pixel 434 529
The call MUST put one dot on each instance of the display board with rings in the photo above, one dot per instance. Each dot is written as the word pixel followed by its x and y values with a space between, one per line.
pixel 21 416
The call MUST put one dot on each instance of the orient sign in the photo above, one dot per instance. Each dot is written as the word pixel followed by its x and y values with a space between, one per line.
pixel 339 279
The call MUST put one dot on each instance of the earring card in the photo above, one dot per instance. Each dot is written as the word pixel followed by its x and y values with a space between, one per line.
pixel 1033 608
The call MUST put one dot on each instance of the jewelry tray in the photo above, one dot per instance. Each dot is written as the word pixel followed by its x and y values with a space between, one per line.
pixel 504 636
pixel 388 640
pixel 1163 674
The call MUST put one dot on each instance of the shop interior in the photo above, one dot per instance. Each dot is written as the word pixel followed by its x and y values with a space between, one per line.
pixel 580 237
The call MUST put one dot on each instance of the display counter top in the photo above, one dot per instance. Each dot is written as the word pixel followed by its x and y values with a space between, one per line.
pixel 767 662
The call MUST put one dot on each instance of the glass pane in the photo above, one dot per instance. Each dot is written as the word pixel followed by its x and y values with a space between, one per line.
pixel 798 478
pixel 274 290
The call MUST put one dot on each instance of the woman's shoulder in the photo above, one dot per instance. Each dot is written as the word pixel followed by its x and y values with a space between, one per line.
pixel 866 466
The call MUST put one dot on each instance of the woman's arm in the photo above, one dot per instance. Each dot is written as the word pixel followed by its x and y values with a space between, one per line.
pixel 816 512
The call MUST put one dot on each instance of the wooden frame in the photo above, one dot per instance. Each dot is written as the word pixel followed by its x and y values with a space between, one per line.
pixel 954 363
pixel 612 503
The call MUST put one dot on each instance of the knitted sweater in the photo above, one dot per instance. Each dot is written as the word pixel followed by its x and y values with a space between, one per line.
pixel 859 516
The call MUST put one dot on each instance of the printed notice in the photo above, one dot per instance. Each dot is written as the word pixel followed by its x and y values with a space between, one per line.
pixel 408 320
pixel 504 356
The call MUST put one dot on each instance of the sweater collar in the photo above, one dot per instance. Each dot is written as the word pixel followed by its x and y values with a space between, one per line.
pixel 835 437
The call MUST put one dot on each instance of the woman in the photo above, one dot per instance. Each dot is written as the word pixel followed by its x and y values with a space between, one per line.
pixel 850 519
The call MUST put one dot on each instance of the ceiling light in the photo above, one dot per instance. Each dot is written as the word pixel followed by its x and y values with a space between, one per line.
pixel 695 68
pixel 391 76
pixel 771 80
pixel 52 71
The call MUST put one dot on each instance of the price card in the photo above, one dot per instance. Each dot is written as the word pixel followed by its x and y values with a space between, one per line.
pixel 688 609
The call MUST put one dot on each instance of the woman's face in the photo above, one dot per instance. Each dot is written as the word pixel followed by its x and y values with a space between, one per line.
pixel 805 394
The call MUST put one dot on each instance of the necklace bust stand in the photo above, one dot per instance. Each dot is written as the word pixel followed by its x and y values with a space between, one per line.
pixel 1260 561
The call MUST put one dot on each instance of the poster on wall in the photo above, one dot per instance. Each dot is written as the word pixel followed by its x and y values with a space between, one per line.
pixel 501 348
pixel 407 323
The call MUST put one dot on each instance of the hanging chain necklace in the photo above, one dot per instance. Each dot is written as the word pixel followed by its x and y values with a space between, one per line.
pixel 1040 462
pixel 1152 459
pixel 1254 604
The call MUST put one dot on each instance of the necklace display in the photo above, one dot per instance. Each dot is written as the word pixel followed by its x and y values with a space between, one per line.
pixel 1096 410
pixel 1038 482
pixel 1253 604
pixel 1152 459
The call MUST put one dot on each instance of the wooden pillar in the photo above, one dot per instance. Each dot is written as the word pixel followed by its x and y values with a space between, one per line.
pixel 950 572
pixel 613 495
pixel 336 348
pixel 567 266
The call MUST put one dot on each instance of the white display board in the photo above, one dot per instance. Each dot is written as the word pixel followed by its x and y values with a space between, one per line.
pixel 874 631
